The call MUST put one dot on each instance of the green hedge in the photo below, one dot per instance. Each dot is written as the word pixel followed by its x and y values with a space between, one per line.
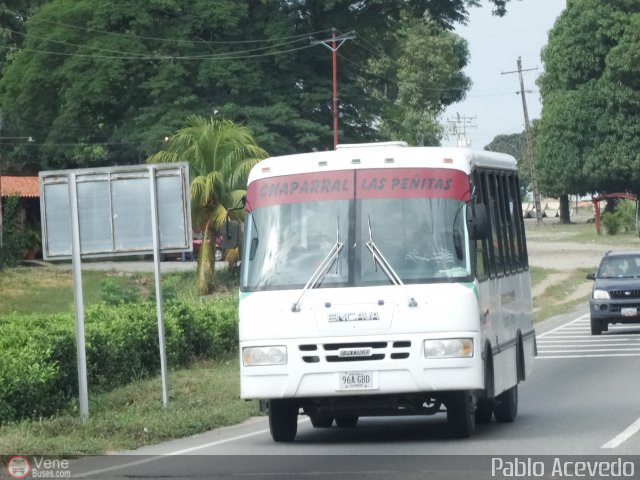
pixel 38 368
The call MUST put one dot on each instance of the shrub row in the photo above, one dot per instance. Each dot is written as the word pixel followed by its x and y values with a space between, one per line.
pixel 38 367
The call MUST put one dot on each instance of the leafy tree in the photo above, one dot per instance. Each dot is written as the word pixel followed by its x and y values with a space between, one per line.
pixel 104 82
pixel 13 241
pixel 514 144
pixel 428 77
pixel 220 155
pixel 13 14
pixel 588 136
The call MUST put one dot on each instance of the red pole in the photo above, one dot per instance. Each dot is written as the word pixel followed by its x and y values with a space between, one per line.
pixel 335 90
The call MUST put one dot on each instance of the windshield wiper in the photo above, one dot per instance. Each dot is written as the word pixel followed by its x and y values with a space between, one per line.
pixel 379 259
pixel 321 271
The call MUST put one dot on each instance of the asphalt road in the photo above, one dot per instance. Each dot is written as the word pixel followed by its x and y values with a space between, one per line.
pixel 581 400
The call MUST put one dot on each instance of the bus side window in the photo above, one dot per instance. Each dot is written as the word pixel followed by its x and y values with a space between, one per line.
pixel 481 260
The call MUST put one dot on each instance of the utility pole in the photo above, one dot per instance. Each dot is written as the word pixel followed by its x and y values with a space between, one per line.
pixel 334 49
pixel 459 126
pixel 527 128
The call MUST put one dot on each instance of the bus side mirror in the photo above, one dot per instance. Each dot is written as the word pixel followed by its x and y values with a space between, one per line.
pixel 230 234
pixel 477 221
pixel 253 248
pixel 231 228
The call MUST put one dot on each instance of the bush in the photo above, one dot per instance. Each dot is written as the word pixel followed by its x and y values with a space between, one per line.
pixel 14 240
pixel 38 369
pixel 114 293
pixel 622 219
pixel 611 223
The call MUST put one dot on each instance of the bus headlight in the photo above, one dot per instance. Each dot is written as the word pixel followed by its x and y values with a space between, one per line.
pixel 271 355
pixel 601 295
pixel 449 348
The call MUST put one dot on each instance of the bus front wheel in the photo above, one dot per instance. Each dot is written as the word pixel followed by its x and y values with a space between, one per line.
pixel 505 408
pixel 461 415
pixel 283 420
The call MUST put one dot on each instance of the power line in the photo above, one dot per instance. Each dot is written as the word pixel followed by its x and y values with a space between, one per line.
pixel 301 36
pixel 459 126
pixel 224 56
pixel 336 42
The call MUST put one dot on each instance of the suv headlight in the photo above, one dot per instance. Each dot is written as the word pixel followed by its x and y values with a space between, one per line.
pixel 449 348
pixel 601 295
pixel 271 355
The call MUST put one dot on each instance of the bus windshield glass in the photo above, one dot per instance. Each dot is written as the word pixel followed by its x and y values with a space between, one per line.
pixel 420 231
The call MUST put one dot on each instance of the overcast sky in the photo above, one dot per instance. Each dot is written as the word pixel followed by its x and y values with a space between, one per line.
pixel 495 44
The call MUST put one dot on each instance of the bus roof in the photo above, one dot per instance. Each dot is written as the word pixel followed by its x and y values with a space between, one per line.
pixel 382 155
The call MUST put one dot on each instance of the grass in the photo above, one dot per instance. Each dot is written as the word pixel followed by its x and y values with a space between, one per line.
pixel 553 301
pixel 201 398
pixel 50 290
pixel 553 231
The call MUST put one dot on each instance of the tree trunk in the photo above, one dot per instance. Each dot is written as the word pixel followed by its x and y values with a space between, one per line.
pixel 565 211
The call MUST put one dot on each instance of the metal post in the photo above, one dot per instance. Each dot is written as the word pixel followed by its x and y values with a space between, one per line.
pixel 532 168
pixel 156 270
pixel 334 50
pixel 76 263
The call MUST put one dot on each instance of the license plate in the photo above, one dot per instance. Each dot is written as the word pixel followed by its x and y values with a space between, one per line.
pixel 629 312
pixel 365 380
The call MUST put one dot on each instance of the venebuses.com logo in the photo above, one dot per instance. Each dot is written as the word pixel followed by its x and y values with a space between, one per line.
pixel 18 467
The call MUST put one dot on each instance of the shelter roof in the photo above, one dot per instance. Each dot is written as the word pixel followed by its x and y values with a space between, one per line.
pixel 21 186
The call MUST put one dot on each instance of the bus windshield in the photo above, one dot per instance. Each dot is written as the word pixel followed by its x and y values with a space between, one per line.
pixel 423 238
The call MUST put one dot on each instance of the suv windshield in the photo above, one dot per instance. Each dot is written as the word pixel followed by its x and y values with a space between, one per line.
pixel 619 266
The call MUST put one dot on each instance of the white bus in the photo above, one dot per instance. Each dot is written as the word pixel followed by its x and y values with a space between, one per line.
pixel 382 279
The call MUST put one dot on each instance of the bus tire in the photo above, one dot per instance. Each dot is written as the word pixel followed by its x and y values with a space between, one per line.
pixel 346 422
pixel 505 407
pixel 320 422
pixel 484 406
pixel 461 415
pixel 484 410
pixel 283 420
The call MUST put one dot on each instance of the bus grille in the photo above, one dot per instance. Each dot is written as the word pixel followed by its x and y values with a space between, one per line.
pixel 328 352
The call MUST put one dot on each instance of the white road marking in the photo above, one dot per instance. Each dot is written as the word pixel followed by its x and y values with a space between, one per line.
pixel 547 357
pixel 624 435
pixel 558 328
pixel 574 340
pixel 155 458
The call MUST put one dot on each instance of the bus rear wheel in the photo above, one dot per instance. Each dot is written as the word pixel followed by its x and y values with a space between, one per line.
pixel 461 415
pixel 505 408
pixel 484 410
pixel 346 422
pixel 283 420
pixel 320 422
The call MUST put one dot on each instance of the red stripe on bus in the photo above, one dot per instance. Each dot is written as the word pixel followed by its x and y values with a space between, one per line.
pixel 303 187
pixel 370 184
pixel 412 183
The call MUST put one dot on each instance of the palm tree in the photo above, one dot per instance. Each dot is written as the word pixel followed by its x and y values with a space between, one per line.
pixel 220 154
